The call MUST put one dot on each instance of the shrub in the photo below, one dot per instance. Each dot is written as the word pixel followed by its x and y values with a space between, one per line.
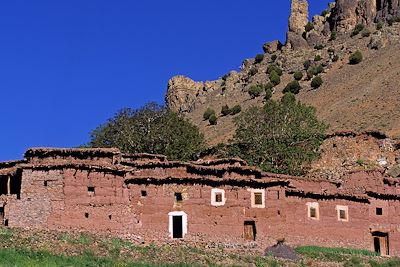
pixel 268 94
pixel 274 67
pixel 225 110
pixel 274 57
pixel 269 85
pixel 309 27
pixel 207 114
pixel 255 91
pixel 317 58
pixel 357 29
pixel 225 77
pixel 316 82
pixel 298 75
pixel 355 58
pixel 365 33
pixel 324 13
pixel 379 25
pixel 292 87
pixel 319 46
pixel 315 71
pixel 335 58
pixel 253 71
pixel 274 78
pixel 213 120
pixel 236 109
pixel 258 58
pixel 307 64
pixel 333 36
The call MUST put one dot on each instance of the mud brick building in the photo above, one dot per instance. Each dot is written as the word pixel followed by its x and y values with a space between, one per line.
pixel 222 201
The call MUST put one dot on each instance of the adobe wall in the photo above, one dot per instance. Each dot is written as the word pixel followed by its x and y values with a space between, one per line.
pixel 68 194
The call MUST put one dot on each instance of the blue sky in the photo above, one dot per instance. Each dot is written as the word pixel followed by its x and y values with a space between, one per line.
pixel 68 66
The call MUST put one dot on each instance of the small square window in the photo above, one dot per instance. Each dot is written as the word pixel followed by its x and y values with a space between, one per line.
pixel 258 200
pixel 86 215
pixel 313 210
pixel 218 197
pixel 90 189
pixel 45 183
pixel 342 213
pixel 143 193
pixel 178 197
pixel 379 211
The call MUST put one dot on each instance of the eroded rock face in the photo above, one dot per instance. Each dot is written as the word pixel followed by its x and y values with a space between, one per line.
pixel 297 22
pixel 182 93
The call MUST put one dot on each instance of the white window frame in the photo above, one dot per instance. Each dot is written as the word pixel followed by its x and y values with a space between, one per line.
pixel 184 223
pixel 314 205
pixel 253 202
pixel 214 192
pixel 346 209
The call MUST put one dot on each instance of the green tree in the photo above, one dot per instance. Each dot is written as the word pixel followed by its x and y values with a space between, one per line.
pixel 255 91
pixel 292 87
pixel 207 114
pixel 225 110
pixel 280 137
pixel 150 129
pixel 274 78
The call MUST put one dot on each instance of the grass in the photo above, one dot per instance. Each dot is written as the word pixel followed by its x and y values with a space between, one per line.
pixel 332 254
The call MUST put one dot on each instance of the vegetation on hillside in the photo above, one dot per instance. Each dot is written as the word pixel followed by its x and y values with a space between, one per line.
pixel 150 129
pixel 280 137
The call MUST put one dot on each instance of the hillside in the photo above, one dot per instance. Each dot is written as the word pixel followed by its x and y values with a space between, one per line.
pixel 352 98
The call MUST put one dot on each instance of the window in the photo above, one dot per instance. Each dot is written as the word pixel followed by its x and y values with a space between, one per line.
pixel 178 197
pixel 313 210
pixel 217 197
pixel 86 215
pixel 379 211
pixel 90 189
pixel 143 193
pixel 45 183
pixel 342 213
pixel 257 198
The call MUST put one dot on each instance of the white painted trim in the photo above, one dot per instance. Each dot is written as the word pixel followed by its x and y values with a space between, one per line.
pixel 253 204
pixel 346 209
pixel 184 222
pixel 314 205
pixel 214 191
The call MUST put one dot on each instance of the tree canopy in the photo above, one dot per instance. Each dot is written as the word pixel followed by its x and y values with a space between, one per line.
pixel 280 137
pixel 150 129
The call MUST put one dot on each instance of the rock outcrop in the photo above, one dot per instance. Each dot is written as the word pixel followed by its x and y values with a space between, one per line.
pixel 182 93
pixel 297 22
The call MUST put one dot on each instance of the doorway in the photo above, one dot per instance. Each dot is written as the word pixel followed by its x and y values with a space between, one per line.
pixel 177 224
pixel 250 230
pixel 177 231
pixel 381 243
pixel 2 215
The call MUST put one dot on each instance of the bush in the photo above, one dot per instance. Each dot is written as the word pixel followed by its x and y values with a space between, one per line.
pixel 315 71
pixel 253 71
pixel 324 13
pixel 357 29
pixel 269 86
pixel 355 58
pixel 379 25
pixel 307 64
pixel 298 75
pixel 319 46
pixel 255 91
pixel 213 120
pixel 335 58
pixel 225 110
pixel 274 67
pixel 365 33
pixel 333 36
pixel 316 82
pixel 317 58
pixel 292 87
pixel 309 27
pixel 274 78
pixel 274 57
pixel 268 94
pixel 236 109
pixel 207 114
pixel 258 58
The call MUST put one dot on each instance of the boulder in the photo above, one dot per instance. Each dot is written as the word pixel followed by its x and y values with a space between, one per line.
pixel 272 47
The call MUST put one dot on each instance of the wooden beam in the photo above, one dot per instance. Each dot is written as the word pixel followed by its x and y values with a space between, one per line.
pixel 9 185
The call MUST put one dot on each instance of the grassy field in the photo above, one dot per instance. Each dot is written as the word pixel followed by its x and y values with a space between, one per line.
pixel 21 248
